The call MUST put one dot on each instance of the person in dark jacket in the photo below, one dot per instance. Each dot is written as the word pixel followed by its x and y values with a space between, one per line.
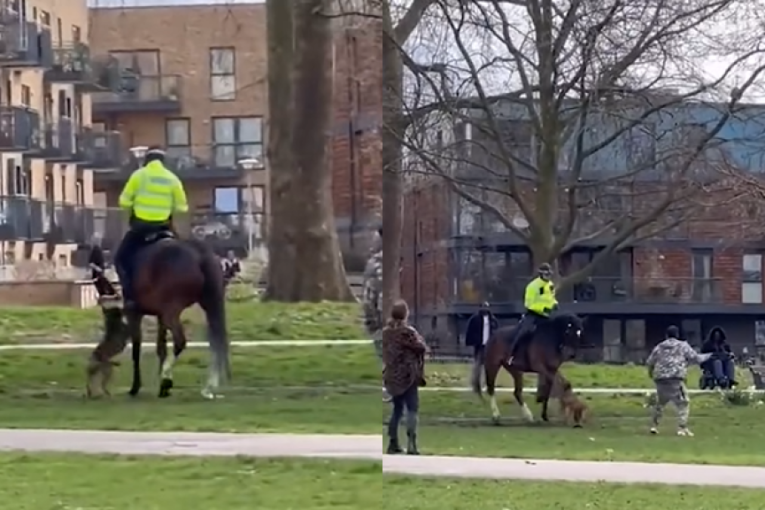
pixel 480 327
pixel 721 363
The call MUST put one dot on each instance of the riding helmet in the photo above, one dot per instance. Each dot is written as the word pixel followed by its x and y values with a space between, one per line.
pixel 154 153
pixel 544 268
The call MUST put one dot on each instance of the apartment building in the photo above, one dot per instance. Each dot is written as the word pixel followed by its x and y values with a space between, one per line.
pixel 191 78
pixel 48 148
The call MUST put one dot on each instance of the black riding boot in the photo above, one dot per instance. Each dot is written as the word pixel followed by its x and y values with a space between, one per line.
pixel 393 446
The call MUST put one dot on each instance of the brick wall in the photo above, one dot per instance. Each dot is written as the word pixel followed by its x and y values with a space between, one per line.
pixel 427 226
pixel 356 142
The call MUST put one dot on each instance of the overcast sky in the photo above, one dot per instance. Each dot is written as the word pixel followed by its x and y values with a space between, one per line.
pixel 156 3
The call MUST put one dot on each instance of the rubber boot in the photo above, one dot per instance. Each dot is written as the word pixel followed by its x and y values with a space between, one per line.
pixel 411 447
pixel 394 447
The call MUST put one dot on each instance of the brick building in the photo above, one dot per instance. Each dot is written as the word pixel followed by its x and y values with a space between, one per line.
pixel 193 78
pixel 48 148
pixel 704 272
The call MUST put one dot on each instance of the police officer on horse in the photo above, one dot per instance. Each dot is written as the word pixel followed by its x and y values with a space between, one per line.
pixel 539 301
pixel 152 194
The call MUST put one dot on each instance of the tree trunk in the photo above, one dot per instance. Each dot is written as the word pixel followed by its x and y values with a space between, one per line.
pixel 392 191
pixel 305 263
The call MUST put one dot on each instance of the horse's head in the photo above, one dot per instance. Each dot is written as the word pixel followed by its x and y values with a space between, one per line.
pixel 570 329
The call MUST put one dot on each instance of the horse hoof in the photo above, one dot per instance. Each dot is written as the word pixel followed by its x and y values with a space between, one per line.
pixel 134 392
pixel 578 426
pixel 495 420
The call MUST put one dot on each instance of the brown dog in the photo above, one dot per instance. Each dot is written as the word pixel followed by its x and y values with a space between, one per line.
pixel 574 410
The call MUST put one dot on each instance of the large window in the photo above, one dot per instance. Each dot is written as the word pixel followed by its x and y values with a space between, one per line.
pixel 222 74
pixel 178 138
pixel 751 278
pixel 226 200
pixel 143 62
pixel 241 207
pixel 237 138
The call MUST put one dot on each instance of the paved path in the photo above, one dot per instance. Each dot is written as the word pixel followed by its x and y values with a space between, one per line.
pixel 369 447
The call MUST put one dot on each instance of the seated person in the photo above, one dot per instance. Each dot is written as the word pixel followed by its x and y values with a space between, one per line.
pixel 721 363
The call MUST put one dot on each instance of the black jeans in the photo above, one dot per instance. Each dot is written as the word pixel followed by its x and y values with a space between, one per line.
pixel 526 328
pixel 409 400
pixel 124 258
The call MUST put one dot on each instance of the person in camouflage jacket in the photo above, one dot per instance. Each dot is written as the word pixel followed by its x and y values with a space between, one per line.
pixel 668 366
pixel 372 296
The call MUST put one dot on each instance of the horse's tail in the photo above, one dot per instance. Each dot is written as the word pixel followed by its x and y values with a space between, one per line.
pixel 213 302
pixel 475 378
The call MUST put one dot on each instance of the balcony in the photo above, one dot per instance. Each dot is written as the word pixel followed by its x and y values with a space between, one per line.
pixel 19 129
pixel 60 141
pixel 185 166
pixel 26 219
pixel 72 64
pixel 100 150
pixel 228 231
pixel 134 93
pixel 23 43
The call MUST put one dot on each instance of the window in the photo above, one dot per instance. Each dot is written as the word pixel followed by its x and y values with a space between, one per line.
pixel 60 31
pixel 751 278
pixel 80 192
pixel 222 74
pixel 76 34
pixel 237 138
pixel 144 62
pixel 226 200
pixel 702 285
pixel 253 199
pixel 178 137
pixel 26 96
pixel 45 18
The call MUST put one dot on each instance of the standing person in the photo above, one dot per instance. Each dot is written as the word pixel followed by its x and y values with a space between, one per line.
pixel 668 366
pixel 372 298
pixel 479 329
pixel 403 352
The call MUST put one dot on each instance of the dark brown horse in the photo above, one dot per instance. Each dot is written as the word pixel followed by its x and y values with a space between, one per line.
pixel 543 355
pixel 171 275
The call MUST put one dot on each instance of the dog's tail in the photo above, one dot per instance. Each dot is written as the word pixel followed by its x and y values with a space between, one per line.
pixel 475 378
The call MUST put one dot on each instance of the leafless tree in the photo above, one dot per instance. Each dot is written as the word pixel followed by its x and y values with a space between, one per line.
pixel 304 254
pixel 573 121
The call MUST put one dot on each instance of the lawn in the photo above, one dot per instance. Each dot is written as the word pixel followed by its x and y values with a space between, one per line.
pixel 445 494
pixel 458 424
pixel 580 375
pixel 246 321
pixel 280 388
pixel 69 482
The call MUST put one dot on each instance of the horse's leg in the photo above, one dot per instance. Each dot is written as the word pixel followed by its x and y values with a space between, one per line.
pixel 518 394
pixel 164 369
pixel 134 325
pixel 173 322
pixel 491 369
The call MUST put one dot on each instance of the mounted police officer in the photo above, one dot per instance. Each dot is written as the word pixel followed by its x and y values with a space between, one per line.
pixel 539 301
pixel 152 194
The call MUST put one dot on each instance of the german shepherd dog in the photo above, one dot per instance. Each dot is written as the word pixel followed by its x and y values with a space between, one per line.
pixel 573 409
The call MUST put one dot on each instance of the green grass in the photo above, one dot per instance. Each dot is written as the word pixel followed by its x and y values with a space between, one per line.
pixel 458 424
pixel 281 388
pixel 247 321
pixel 580 375
pixel 446 494
pixel 69 482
